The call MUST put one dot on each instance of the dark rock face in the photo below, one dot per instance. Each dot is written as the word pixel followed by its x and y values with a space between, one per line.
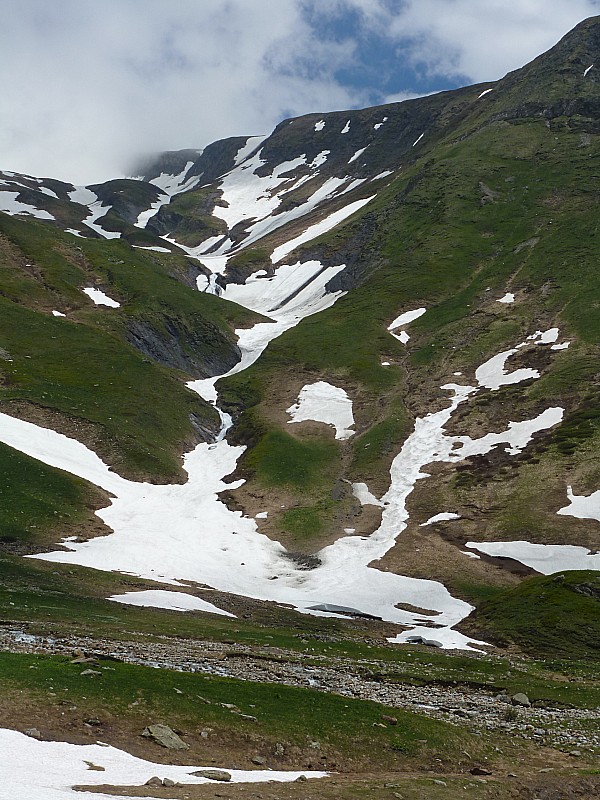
pixel 200 353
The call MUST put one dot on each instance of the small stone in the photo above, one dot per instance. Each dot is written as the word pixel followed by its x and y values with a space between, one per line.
pixel 212 774
pixel 154 781
pixel 440 783
pixel 258 760
pixel 301 779
pixel 90 673
pixel 168 782
pixel 575 753
pixel 33 732
pixel 389 720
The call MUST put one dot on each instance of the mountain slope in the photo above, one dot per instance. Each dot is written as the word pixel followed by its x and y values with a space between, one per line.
pixel 425 388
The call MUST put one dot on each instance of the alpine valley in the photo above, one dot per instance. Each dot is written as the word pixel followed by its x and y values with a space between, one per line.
pixel 300 457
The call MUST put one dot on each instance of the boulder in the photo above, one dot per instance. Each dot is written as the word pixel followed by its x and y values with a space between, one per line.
pixel 520 699
pixel 212 774
pixel 166 737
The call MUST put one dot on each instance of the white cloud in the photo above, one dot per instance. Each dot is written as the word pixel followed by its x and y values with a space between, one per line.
pixel 87 86
pixel 480 40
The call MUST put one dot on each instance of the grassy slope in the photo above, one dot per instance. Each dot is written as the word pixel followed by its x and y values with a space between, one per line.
pixel 437 241
pixel 557 616
pixel 134 410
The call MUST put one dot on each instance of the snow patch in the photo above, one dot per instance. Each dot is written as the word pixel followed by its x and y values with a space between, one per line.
pixel 543 558
pixel 319 228
pixel 346 127
pixel 322 402
pixel 445 515
pixel 357 155
pixel 485 91
pixel 406 318
pixel 416 142
pixel 319 125
pixel 101 299
pixel 174 601
pixel 48 770
pixel 587 70
pixel 582 506
pixel 508 298
pixel 251 145
pixel 364 496
pixel 58 314
pixel 10 205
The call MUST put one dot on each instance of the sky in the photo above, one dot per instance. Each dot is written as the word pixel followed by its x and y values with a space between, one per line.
pixel 89 87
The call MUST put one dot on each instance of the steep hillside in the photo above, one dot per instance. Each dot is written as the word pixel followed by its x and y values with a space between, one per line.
pixel 417 395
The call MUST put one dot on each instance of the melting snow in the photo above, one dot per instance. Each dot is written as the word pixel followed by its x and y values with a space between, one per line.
pixel 251 145
pixel 587 70
pixel 383 174
pixel 48 770
pixel 379 124
pixel 322 402
pixel 101 299
pixel 86 197
pixel 508 298
pixel 357 154
pixel 319 159
pixel 174 601
pixel 346 127
pixel 10 205
pixel 581 506
pixel 58 314
pixel 418 140
pixel 405 318
pixel 493 375
pixel 562 346
pixel 320 125
pixel 156 249
pixel 445 515
pixel 543 558
pixel 319 228
pixel 364 496
pixel 485 91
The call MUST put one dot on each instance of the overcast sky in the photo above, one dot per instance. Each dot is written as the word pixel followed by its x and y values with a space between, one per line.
pixel 88 85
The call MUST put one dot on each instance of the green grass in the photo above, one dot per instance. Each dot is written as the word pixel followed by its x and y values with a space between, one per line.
pixel 342 726
pixel 282 460
pixel 133 402
pixel 551 616
pixel 36 500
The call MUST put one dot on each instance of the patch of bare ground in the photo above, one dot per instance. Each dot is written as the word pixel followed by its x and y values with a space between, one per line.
pixel 550 786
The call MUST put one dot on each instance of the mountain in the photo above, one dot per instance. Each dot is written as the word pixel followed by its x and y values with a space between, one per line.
pixel 374 336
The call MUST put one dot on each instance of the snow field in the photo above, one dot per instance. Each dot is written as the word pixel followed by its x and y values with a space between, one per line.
pixel 37 770
pixel 10 205
pixel 217 547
